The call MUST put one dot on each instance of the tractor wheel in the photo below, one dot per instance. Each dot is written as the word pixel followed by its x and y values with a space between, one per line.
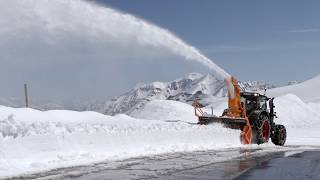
pixel 279 135
pixel 261 130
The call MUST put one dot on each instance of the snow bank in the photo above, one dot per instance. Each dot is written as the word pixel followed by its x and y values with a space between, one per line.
pixel 301 119
pixel 293 112
pixel 167 110
pixel 307 91
pixel 32 140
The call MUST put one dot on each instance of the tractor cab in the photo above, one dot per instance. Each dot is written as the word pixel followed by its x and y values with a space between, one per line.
pixel 254 101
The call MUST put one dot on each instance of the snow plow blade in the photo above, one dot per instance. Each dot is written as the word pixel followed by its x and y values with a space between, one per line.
pixel 234 123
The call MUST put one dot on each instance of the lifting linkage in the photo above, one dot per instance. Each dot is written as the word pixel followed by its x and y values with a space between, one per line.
pixel 235 117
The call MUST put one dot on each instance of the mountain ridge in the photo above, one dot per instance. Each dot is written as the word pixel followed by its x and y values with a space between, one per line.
pixel 186 89
pixel 193 86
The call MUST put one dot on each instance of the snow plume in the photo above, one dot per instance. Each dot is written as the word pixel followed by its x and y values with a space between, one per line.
pixel 35 30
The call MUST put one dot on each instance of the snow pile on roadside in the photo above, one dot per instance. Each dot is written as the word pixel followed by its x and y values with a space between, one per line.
pixel 307 91
pixel 32 140
pixel 301 119
pixel 167 110
pixel 295 113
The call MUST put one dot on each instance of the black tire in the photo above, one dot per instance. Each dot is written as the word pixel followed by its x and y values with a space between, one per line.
pixel 261 130
pixel 279 135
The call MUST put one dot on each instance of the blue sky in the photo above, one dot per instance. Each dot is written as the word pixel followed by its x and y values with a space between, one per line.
pixel 78 50
pixel 275 41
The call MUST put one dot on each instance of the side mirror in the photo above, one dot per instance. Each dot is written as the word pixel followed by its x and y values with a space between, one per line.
pixel 271 104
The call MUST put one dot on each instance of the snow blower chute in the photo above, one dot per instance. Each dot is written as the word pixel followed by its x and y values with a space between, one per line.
pixel 248 112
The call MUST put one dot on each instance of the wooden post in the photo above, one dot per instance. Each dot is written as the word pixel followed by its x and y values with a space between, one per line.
pixel 26 95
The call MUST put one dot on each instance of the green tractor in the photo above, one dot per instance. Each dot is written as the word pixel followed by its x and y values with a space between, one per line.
pixel 256 121
pixel 261 115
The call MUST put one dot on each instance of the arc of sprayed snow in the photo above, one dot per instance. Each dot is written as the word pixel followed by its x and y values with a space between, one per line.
pixel 102 23
pixel 180 47
pixel 158 36
pixel 177 46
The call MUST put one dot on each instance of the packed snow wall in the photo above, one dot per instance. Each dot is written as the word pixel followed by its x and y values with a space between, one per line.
pixel 31 140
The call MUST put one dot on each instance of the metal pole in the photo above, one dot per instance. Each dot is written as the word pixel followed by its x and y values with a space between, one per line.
pixel 26 95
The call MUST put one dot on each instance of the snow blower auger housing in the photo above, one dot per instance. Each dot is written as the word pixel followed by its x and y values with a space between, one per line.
pixel 252 113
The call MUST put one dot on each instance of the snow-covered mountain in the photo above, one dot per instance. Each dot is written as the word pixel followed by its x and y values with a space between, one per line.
pixel 255 85
pixel 193 86
pixel 185 89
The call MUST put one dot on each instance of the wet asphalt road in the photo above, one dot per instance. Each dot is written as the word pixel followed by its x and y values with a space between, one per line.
pixel 236 163
pixel 300 166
